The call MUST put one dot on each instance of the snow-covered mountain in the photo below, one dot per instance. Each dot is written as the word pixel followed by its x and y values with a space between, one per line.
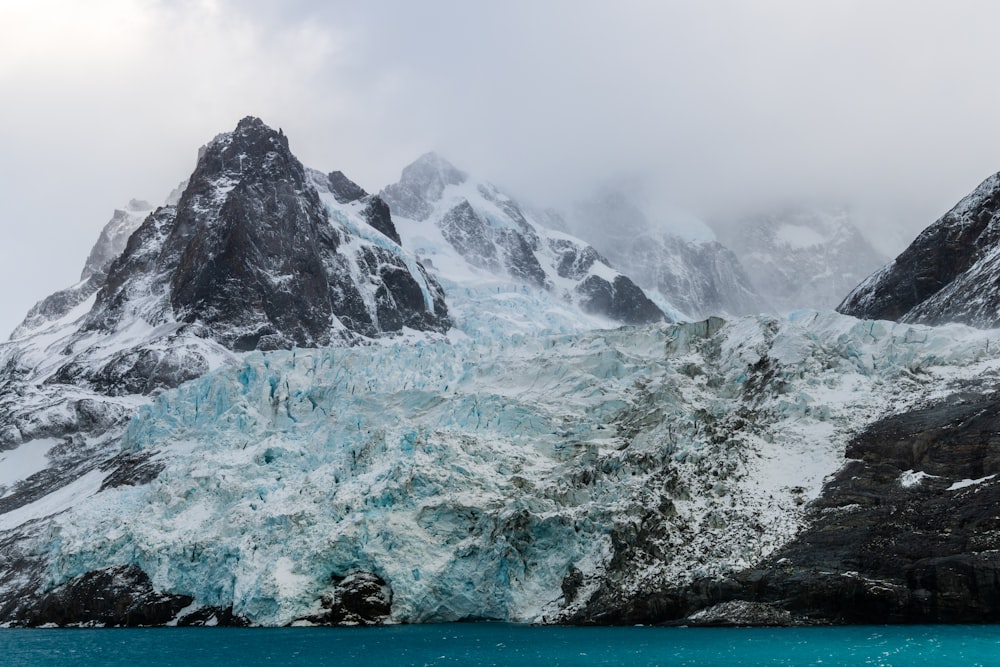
pixel 108 247
pixel 805 257
pixel 480 241
pixel 681 265
pixel 283 403
pixel 250 256
pixel 950 273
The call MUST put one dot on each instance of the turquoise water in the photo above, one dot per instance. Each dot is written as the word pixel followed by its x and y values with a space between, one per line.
pixel 500 644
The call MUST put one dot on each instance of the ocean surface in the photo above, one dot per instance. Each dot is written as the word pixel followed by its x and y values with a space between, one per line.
pixel 502 644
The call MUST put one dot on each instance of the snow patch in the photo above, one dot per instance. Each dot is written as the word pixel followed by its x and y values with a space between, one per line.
pixel 966 483
pixel 911 478
pixel 58 501
pixel 23 462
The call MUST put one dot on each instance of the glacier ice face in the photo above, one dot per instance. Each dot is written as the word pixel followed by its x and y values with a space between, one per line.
pixel 501 478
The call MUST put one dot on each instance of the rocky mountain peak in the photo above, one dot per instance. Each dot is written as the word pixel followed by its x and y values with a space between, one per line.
pixel 253 151
pixel 950 273
pixel 250 255
pixel 421 184
pixel 344 189
pixel 114 237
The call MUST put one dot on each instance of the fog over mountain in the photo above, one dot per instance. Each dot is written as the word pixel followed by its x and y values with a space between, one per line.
pixel 719 109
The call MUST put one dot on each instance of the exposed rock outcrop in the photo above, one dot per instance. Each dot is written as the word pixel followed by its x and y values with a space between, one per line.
pixel 495 236
pixel 950 273
pixel 115 597
pixel 905 532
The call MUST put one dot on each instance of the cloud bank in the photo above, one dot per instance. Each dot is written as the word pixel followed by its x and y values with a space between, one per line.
pixel 717 108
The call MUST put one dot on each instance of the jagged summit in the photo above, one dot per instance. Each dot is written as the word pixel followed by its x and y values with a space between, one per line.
pixel 950 273
pixel 251 151
pixel 249 255
pixel 421 184
pixel 475 234
pixel 255 254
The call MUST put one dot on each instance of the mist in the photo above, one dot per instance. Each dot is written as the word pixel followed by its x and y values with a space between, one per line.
pixel 718 109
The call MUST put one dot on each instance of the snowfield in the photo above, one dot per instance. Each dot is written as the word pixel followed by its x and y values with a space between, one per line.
pixel 475 475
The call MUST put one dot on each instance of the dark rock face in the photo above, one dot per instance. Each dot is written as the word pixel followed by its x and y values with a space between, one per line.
pixel 117 597
pixel 906 532
pixel 950 273
pixel 574 262
pixel 486 247
pixel 131 468
pixel 250 256
pixel 135 371
pixel 344 189
pixel 361 598
pixel 905 547
pixel 621 300
pixel 378 216
pixel 466 231
pixel 213 617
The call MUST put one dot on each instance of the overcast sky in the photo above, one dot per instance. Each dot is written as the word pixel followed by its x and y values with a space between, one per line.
pixel 720 107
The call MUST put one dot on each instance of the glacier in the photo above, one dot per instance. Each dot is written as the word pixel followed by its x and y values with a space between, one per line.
pixel 494 476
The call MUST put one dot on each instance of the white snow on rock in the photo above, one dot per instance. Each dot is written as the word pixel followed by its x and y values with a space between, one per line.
pixel 24 461
pixel 966 483
pixel 60 500
pixel 546 301
pixel 911 478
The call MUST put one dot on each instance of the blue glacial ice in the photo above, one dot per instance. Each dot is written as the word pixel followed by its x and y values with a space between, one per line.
pixel 473 475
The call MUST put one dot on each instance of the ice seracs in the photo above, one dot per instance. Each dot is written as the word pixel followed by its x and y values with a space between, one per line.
pixel 520 478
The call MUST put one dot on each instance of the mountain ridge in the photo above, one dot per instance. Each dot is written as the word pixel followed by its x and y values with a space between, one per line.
pixel 950 273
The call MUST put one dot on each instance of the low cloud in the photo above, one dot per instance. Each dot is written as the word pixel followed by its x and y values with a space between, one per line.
pixel 717 108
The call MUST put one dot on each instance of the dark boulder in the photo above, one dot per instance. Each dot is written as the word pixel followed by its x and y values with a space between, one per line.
pixel 361 598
